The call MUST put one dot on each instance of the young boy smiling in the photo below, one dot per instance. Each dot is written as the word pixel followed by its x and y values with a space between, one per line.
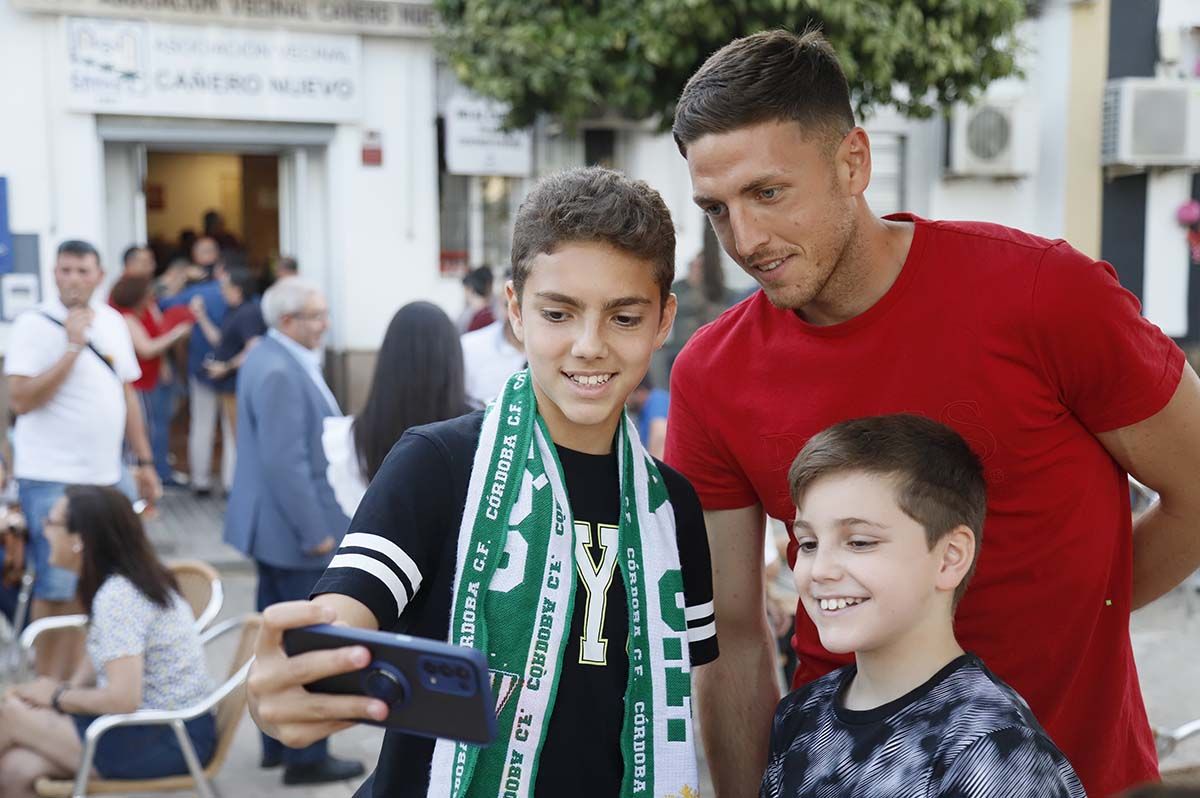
pixel 589 547
pixel 889 514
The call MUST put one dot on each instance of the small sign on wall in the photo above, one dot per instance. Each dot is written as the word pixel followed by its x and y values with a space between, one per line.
pixel 156 199
pixel 372 148
pixel 476 144
pixel 18 293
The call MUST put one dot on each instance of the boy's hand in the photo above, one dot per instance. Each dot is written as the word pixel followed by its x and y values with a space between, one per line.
pixel 278 701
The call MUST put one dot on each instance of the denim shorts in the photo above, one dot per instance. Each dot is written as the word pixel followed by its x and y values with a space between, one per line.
pixel 149 752
pixel 37 497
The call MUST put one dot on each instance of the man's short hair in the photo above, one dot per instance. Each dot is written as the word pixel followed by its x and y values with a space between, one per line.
pixel 479 281
pixel 130 252
pixel 242 279
pixel 939 480
pixel 771 76
pixel 78 248
pixel 285 297
pixel 594 204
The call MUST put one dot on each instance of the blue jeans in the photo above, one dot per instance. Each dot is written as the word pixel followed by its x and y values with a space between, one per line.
pixel 284 584
pixel 37 497
pixel 157 404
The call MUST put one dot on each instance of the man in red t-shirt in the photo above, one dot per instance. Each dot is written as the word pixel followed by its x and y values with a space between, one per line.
pixel 1031 350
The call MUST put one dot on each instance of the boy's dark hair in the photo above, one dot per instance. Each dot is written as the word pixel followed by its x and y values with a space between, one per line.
pixel 774 75
pixel 594 204
pixel 78 248
pixel 939 480
pixel 479 281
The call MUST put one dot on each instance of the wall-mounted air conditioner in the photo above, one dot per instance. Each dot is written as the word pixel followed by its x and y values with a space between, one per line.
pixel 1151 122
pixel 989 139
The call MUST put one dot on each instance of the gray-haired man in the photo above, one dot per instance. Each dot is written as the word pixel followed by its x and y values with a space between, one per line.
pixel 282 512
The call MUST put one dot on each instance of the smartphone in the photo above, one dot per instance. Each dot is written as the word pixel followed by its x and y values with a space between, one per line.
pixel 434 689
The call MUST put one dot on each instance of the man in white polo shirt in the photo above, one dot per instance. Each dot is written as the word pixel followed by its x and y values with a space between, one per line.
pixel 70 365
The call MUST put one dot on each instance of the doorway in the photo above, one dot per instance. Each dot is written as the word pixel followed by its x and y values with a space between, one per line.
pixel 232 196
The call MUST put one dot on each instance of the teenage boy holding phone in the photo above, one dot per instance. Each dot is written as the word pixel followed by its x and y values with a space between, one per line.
pixel 594 601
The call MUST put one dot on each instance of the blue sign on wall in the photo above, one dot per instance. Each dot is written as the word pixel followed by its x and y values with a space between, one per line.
pixel 6 242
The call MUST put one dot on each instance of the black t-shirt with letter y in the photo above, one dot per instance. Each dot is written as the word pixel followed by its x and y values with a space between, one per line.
pixel 409 521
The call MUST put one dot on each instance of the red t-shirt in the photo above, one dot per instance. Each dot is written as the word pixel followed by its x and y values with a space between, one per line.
pixel 1027 348
pixel 156 323
pixel 150 368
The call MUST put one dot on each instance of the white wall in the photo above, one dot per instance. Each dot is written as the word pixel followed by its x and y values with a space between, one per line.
pixel 653 157
pixel 384 219
pixel 52 156
pixel 371 232
pixel 1036 202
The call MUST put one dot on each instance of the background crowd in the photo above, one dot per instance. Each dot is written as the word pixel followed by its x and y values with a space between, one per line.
pixel 178 344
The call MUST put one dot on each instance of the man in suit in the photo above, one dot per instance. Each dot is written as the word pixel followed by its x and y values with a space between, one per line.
pixel 282 511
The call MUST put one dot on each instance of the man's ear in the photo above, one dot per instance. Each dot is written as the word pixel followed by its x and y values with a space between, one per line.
pixel 514 311
pixel 853 162
pixel 670 308
pixel 957 555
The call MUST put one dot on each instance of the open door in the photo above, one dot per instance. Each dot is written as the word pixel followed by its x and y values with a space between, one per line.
pixel 125 200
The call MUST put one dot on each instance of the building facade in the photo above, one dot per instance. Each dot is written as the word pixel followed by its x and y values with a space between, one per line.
pixel 328 130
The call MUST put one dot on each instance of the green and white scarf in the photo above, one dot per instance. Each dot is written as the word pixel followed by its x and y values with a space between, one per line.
pixel 513 597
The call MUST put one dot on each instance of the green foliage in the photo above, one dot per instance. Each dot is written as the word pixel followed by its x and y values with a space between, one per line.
pixel 578 59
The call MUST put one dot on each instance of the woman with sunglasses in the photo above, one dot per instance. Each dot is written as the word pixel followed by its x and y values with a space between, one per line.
pixel 143 653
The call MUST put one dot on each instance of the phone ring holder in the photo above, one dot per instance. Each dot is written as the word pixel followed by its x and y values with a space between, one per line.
pixel 384 681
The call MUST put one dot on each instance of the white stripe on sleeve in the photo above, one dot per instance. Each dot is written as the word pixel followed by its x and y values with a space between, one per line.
pixel 385 547
pixel 702 632
pixel 698 612
pixel 375 568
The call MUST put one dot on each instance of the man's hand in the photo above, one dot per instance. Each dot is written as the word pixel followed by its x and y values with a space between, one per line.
pixel 216 369
pixel 148 485
pixel 196 306
pixel 324 547
pixel 78 320
pixel 275 690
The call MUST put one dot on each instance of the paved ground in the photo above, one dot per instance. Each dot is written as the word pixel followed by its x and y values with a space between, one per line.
pixel 1166 639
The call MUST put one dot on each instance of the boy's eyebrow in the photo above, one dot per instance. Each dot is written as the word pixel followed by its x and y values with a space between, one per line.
pixel 562 299
pixel 800 524
pixel 620 302
pixel 626 301
pixel 858 522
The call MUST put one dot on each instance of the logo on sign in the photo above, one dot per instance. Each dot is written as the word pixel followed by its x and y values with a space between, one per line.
pixel 107 58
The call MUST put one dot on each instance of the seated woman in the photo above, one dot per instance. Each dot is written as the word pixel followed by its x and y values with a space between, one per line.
pixel 143 653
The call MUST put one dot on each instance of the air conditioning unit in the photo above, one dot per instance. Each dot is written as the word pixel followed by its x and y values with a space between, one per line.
pixel 989 139
pixel 1151 122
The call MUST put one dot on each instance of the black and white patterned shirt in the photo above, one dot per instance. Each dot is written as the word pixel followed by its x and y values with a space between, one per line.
pixel 962 734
